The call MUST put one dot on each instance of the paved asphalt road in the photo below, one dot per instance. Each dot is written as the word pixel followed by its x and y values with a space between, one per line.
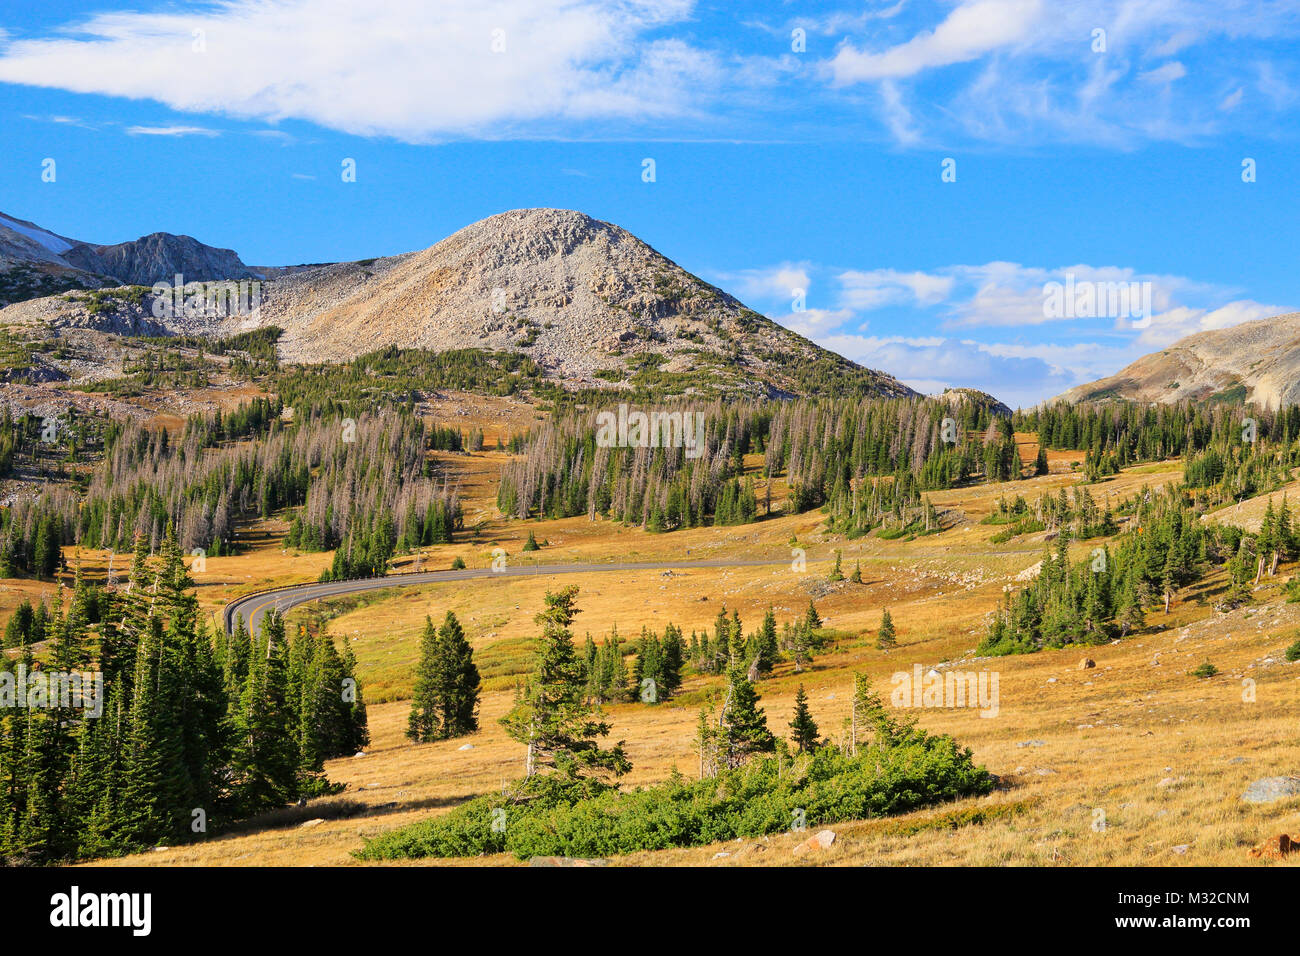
pixel 253 606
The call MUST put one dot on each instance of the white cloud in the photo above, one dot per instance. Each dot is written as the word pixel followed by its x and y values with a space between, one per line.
pixel 773 282
pixel 171 131
pixel 60 120
pixel 1176 43
pixel 1077 363
pixel 1167 73
pixel 896 115
pixel 1010 294
pixel 407 68
pixel 1274 85
pixel 1032 74
pixel 1176 323
pixel 931 363
pixel 881 287
pixel 810 323
pixel 997 296
pixel 972 30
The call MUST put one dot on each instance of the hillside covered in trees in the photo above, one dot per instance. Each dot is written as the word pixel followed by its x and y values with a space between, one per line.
pixel 188 732
pixel 362 486
pixel 824 450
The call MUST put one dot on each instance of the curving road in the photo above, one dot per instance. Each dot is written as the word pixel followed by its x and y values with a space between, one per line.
pixel 253 607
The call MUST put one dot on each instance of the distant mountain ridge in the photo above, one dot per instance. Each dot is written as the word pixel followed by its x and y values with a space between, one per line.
pixel 41 257
pixel 1256 362
pixel 592 305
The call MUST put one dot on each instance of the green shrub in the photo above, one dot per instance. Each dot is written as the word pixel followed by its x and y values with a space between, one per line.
pixel 548 816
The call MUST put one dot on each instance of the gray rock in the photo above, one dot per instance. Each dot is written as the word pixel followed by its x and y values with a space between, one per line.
pixel 566 861
pixel 1270 789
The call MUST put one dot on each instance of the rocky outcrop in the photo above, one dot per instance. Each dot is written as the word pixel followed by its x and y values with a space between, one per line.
pixel 158 257
pixel 957 397
pixel 1255 361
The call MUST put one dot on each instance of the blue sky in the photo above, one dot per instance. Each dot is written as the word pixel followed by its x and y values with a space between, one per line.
pixel 796 146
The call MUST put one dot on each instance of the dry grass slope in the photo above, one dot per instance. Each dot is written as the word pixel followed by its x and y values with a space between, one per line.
pixel 1131 762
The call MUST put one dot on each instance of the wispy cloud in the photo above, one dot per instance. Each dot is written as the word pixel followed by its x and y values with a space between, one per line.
pixel 277 135
pixel 171 131
pixel 969 32
pixel 60 120
pixel 782 281
pixel 1020 71
pixel 880 287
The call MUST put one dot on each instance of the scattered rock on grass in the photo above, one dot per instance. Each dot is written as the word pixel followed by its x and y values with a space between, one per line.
pixel 566 861
pixel 821 840
pixel 1270 789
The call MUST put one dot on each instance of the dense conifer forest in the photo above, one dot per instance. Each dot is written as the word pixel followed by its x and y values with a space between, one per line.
pixel 825 451
pixel 188 732
pixel 1116 435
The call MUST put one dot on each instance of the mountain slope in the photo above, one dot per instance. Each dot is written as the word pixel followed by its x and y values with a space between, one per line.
pixel 25 241
pixel 29 252
pixel 1256 362
pixel 590 303
pixel 587 300
pixel 32 263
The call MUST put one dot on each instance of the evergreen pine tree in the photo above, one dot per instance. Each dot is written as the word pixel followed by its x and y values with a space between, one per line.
pixel 458 680
pixel 885 637
pixel 266 759
pixel 742 727
pixel 423 723
pixel 811 619
pixel 551 717
pixel 803 729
